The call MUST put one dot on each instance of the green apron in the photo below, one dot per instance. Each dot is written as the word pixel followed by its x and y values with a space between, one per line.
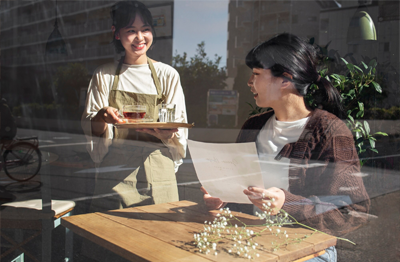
pixel 142 168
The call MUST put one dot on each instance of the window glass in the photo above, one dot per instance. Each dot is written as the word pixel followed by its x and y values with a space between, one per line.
pixel 52 52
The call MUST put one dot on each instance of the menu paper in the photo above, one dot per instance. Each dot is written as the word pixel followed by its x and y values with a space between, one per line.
pixel 225 170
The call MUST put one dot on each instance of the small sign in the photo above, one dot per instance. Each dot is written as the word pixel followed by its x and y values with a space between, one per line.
pixel 159 21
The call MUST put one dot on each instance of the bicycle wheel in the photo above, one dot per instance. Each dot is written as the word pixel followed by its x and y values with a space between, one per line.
pixel 22 161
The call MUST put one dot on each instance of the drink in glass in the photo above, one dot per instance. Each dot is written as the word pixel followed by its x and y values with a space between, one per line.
pixel 134 112
pixel 166 113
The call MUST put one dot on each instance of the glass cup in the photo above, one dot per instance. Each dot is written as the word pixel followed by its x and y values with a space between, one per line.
pixel 134 112
pixel 166 113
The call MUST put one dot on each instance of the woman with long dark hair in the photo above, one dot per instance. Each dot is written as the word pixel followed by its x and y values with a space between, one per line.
pixel 309 153
pixel 137 166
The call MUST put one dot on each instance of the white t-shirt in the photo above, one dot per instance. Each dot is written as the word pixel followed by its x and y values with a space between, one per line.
pixel 137 79
pixel 272 138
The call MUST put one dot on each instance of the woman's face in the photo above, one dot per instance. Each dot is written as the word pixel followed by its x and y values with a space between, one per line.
pixel 136 38
pixel 265 87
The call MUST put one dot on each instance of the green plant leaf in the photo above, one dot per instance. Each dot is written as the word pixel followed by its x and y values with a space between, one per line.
pixel 372 143
pixel 361 106
pixel 361 89
pixel 350 67
pixel 374 150
pixel 344 60
pixel 378 88
pixel 362 130
pixel 365 66
pixel 381 133
pixel 359 69
pixel 366 127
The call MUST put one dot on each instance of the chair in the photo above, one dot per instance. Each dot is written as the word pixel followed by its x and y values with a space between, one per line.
pixel 40 215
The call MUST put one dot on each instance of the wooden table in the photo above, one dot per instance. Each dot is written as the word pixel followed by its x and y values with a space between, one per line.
pixel 165 233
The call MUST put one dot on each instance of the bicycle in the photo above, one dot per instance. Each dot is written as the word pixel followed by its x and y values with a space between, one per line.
pixel 22 158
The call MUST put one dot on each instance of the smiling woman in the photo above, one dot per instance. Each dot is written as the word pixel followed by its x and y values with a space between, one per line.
pixel 293 136
pixel 134 79
pixel 150 157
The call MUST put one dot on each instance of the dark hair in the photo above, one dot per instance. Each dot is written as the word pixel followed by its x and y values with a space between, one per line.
pixel 287 53
pixel 123 13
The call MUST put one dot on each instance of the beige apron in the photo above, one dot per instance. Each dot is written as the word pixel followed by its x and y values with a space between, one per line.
pixel 138 169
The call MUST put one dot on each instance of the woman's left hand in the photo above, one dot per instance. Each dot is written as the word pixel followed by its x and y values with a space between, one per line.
pixel 163 134
pixel 272 197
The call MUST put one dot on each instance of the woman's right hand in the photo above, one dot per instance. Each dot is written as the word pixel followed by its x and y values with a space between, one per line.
pixel 106 115
pixel 212 202
pixel 109 115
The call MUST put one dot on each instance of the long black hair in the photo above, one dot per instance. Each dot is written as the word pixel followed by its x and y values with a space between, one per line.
pixel 287 53
pixel 123 13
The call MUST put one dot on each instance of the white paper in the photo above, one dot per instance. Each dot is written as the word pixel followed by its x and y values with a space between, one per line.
pixel 225 170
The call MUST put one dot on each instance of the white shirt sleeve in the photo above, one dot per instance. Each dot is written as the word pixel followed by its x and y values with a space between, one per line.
pixel 97 98
pixel 174 94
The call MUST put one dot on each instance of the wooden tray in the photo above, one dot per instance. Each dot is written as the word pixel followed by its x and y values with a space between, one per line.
pixel 161 125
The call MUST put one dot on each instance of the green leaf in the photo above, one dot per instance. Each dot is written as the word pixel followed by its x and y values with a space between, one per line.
pixel 344 60
pixel 381 133
pixel 365 66
pixel 335 76
pixel 350 67
pixel 372 143
pixel 374 150
pixel 358 134
pixel 359 69
pixel 373 138
pixel 378 88
pixel 361 105
pixel 366 126
pixel 361 89
pixel 362 130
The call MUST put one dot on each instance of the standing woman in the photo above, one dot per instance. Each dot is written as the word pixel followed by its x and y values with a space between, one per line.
pixel 309 152
pixel 135 167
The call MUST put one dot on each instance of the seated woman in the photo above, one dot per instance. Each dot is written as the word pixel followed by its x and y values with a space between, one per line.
pixel 320 181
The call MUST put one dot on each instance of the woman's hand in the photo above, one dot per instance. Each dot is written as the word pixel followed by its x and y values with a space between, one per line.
pixel 212 202
pixel 162 134
pixel 106 115
pixel 273 197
